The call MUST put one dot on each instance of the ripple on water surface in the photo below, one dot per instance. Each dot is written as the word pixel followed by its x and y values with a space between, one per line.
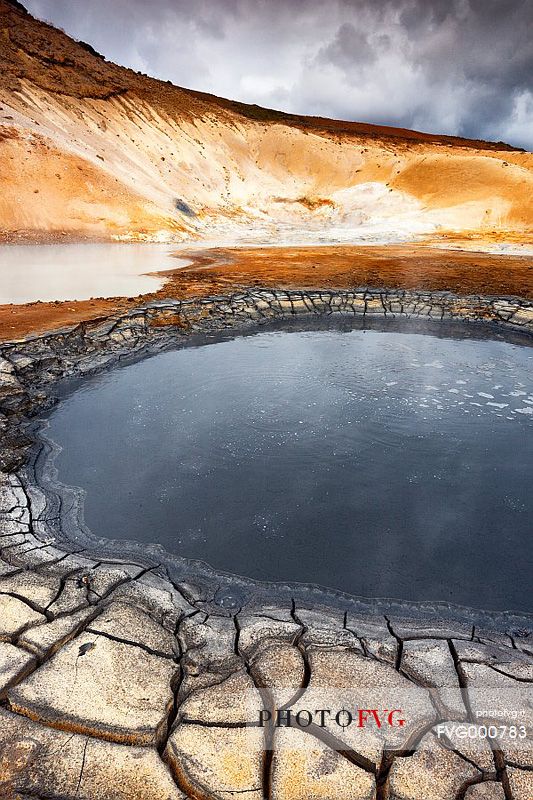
pixel 381 464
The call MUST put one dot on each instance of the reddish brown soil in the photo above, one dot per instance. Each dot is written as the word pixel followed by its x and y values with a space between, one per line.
pixel 45 56
pixel 220 271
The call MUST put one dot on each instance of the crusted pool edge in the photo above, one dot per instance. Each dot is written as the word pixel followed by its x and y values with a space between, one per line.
pixel 194 633
pixel 31 370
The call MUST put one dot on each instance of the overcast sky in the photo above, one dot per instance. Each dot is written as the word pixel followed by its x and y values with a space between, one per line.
pixel 447 66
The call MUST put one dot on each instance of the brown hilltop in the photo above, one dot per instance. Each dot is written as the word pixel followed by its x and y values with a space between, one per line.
pixel 89 148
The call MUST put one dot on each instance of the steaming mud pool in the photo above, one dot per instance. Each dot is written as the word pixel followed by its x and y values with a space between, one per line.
pixel 382 464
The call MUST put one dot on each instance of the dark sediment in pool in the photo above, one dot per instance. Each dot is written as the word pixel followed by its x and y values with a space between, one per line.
pixel 380 464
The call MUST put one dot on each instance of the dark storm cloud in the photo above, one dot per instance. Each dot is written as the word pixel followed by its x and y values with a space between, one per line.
pixel 451 66
pixel 349 47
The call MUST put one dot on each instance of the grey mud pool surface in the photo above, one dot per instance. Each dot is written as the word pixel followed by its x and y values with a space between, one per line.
pixel 380 464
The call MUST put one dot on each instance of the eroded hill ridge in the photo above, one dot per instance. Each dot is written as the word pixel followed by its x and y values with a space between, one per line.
pixel 88 148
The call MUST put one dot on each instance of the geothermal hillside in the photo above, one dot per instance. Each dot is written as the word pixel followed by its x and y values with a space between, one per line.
pixel 89 148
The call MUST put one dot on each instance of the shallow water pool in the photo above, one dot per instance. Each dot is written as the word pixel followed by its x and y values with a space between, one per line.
pixel 29 273
pixel 382 464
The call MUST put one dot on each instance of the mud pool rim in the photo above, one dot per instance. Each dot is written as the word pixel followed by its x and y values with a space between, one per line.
pixel 92 348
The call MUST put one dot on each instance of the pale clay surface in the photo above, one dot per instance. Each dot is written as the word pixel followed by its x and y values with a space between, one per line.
pixel 114 696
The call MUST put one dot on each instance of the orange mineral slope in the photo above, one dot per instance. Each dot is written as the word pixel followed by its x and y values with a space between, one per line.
pixel 91 149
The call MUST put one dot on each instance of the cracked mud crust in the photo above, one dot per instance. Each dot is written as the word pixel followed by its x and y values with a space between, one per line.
pixel 143 676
